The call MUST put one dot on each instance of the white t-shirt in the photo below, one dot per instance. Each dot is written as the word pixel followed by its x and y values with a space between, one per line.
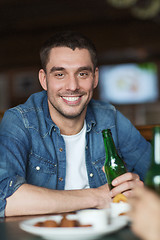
pixel 76 172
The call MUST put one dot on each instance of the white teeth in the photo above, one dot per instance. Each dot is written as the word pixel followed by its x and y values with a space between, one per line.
pixel 71 99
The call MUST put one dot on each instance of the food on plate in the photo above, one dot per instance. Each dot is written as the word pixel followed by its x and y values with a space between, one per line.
pixel 119 198
pixel 68 223
pixel 47 223
pixel 63 223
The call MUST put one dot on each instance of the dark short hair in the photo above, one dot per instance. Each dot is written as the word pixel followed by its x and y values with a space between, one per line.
pixel 68 39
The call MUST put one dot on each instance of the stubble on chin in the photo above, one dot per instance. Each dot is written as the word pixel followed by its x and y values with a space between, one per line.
pixel 54 110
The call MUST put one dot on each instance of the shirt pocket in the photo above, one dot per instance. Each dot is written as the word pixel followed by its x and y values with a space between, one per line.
pixel 41 172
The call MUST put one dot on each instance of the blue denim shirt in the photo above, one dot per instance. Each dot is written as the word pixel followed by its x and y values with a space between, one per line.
pixel 32 149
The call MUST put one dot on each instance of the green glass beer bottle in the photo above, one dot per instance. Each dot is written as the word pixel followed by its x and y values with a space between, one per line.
pixel 152 179
pixel 114 165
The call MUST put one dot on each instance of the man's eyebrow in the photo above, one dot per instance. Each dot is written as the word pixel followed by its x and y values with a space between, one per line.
pixel 88 68
pixel 83 68
pixel 53 69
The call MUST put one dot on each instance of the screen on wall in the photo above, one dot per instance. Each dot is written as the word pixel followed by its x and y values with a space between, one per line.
pixel 130 83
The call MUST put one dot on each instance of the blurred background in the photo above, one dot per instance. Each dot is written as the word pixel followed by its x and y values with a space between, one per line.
pixel 125 32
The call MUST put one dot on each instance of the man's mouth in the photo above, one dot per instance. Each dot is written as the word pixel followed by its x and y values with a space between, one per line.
pixel 71 100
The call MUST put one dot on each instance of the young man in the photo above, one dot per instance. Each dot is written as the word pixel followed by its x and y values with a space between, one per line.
pixel 51 147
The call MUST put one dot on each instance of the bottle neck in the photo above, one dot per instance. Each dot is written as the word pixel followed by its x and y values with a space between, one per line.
pixel 109 143
pixel 156 145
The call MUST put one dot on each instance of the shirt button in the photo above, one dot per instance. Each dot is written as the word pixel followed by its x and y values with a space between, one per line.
pixel 61 149
pixel 86 147
pixel 38 168
pixel 91 174
pixel 60 179
pixel 10 184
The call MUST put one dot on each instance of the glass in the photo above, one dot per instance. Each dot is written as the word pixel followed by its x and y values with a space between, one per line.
pixel 152 179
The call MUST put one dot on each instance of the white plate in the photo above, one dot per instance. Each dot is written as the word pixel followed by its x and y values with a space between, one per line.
pixel 74 233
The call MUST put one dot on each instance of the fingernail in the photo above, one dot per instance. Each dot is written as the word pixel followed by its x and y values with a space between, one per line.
pixel 114 182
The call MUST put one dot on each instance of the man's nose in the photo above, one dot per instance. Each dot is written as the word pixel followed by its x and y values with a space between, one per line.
pixel 72 83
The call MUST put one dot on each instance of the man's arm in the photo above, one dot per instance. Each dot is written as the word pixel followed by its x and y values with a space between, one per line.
pixel 32 200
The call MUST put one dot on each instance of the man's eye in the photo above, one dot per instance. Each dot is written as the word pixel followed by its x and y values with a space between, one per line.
pixel 83 74
pixel 60 75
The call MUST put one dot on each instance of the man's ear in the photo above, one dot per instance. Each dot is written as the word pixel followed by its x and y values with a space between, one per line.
pixel 96 77
pixel 42 79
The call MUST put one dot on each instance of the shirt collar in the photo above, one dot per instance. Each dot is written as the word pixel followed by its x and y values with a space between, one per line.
pixel 49 122
pixel 90 118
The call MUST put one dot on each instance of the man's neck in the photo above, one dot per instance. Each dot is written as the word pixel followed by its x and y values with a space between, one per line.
pixel 69 126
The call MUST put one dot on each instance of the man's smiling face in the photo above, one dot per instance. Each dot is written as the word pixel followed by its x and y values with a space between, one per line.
pixel 69 81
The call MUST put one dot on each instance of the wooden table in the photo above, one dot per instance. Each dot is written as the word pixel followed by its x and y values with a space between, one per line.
pixel 10 230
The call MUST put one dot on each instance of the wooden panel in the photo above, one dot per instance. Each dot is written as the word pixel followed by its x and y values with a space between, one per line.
pixel 1 114
pixel 146 131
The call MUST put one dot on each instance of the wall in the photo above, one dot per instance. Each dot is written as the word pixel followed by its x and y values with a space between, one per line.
pixel 116 43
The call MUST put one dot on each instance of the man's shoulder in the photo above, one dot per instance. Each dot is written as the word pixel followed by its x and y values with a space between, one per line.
pixel 29 111
pixel 102 113
pixel 33 103
pixel 98 106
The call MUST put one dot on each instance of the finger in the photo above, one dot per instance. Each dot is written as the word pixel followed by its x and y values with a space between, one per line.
pixel 128 193
pixel 126 188
pixel 125 177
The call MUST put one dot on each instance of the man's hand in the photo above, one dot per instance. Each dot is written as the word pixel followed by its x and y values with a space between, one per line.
pixel 102 195
pixel 125 184
pixel 145 213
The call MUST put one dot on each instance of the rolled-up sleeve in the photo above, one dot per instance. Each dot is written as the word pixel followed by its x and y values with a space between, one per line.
pixel 13 156
pixel 8 186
